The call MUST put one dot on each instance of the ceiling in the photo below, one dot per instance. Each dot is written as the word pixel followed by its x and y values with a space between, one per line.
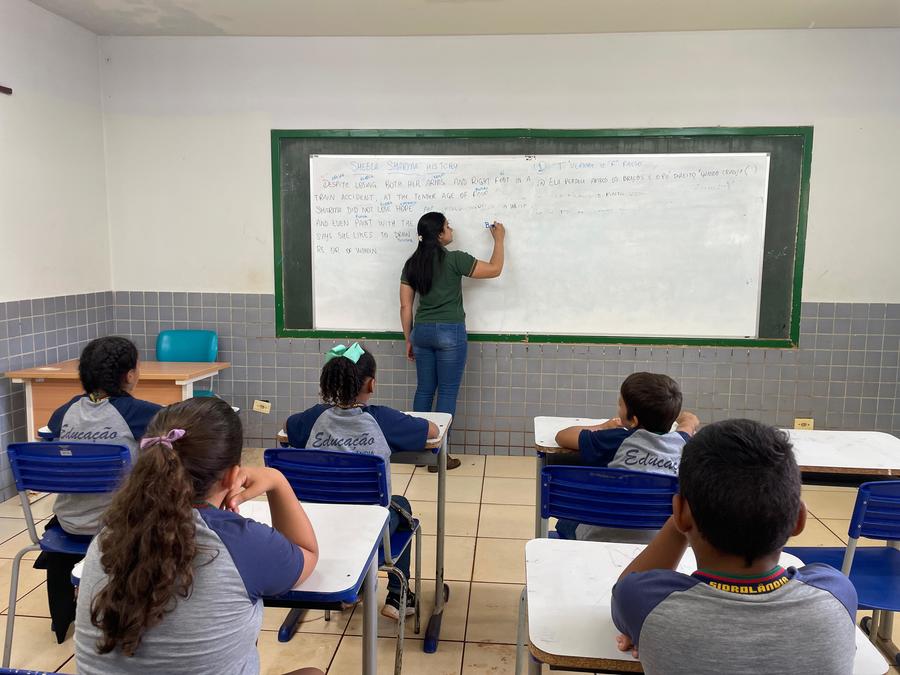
pixel 463 17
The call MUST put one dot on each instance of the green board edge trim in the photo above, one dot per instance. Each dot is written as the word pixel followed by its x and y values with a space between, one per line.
pixel 540 133
pixel 792 342
pixel 530 338
pixel 800 249
pixel 276 234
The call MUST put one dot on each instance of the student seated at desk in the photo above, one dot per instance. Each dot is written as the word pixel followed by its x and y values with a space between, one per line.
pixel 640 438
pixel 740 612
pixel 347 422
pixel 173 582
pixel 105 413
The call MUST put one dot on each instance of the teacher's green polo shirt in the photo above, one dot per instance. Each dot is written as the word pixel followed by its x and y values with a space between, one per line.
pixel 444 302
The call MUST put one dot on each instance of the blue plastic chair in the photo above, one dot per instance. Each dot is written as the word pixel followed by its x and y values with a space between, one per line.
pixel 201 346
pixel 874 571
pixel 633 500
pixel 337 477
pixel 57 467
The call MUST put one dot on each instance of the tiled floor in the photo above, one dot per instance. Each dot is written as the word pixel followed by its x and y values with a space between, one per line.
pixel 489 519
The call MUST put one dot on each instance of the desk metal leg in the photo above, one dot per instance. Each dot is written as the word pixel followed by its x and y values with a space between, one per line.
pixel 370 619
pixel 540 525
pixel 881 631
pixel 433 631
pixel 289 625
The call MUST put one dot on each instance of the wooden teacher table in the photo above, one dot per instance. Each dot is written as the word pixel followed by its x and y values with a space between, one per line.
pixel 163 382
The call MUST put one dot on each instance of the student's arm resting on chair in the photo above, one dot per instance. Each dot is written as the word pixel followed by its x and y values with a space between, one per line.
pixel 288 517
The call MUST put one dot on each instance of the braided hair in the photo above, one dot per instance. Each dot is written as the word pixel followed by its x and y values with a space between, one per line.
pixel 342 380
pixel 419 268
pixel 104 363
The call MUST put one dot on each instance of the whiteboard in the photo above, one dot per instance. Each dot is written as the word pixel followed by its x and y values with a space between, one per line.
pixel 631 245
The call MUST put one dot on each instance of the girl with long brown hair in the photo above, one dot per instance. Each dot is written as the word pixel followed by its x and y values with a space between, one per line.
pixel 173 582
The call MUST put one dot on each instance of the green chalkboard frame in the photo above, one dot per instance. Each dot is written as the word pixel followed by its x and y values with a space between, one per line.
pixel 803 133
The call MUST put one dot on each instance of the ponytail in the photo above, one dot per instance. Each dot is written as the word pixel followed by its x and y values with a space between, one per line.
pixel 148 545
pixel 342 379
pixel 419 268
pixel 105 363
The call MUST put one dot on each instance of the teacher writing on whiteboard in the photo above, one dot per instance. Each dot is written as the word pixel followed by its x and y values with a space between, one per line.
pixel 436 340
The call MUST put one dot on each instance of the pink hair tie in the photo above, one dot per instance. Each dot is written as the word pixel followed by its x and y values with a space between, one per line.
pixel 166 440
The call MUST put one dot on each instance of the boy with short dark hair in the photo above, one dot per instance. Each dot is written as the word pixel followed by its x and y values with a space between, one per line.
pixel 739 504
pixel 640 438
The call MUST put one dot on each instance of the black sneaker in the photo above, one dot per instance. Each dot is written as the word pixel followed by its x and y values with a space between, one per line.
pixel 452 463
pixel 391 607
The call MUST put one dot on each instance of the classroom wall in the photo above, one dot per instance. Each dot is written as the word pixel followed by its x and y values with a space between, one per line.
pixel 54 235
pixel 52 172
pixel 844 374
pixel 185 127
pixel 187 123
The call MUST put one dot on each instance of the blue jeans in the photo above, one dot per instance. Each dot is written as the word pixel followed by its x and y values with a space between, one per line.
pixel 440 350
pixel 398 522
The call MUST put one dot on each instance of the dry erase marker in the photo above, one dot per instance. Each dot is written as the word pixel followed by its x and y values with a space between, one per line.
pixel 488 225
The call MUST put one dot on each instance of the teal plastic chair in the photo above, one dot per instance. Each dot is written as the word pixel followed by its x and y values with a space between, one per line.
pixel 201 346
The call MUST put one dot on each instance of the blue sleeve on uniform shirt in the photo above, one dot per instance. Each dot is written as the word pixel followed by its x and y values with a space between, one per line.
pixel 136 413
pixel 826 578
pixel 638 594
pixel 56 419
pixel 599 447
pixel 299 425
pixel 268 563
pixel 685 435
pixel 404 433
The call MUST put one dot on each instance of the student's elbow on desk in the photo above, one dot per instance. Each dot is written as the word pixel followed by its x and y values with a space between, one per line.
pixel 568 438
pixel 310 560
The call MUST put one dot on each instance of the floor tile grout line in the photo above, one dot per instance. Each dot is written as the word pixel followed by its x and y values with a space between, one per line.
pixel 70 659
pixel 462 663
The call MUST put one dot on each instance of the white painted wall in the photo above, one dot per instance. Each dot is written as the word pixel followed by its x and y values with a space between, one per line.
pixel 54 234
pixel 187 124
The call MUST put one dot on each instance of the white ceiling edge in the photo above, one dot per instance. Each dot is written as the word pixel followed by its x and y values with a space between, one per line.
pixel 397 18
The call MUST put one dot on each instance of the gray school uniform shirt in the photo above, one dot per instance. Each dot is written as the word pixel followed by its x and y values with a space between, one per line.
pixel 370 430
pixel 640 450
pixel 214 630
pixel 797 621
pixel 120 420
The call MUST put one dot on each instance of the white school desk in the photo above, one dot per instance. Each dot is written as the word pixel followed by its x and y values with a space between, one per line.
pixel 569 620
pixel 435 453
pixel 839 453
pixel 348 536
pixel 163 382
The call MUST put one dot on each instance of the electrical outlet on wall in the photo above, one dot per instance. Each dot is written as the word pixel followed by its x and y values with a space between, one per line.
pixel 262 406
pixel 805 423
